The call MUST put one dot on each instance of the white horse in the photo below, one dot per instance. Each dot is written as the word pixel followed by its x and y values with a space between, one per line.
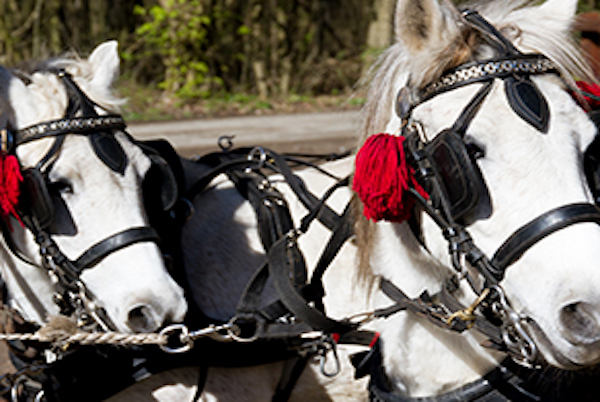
pixel 528 172
pixel 131 285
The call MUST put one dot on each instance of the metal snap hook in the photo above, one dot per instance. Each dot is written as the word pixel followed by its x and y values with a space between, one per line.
pixel 329 345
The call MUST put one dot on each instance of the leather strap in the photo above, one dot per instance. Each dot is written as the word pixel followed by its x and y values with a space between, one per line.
pixel 101 250
pixel 539 228
pixel 504 384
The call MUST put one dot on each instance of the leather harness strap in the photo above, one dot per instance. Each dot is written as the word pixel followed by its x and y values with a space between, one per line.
pixel 121 240
pixel 539 228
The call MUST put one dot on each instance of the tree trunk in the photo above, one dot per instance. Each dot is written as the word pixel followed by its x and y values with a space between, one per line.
pixel 381 27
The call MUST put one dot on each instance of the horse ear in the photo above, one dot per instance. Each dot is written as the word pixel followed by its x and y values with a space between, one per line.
pixel 105 63
pixel 421 24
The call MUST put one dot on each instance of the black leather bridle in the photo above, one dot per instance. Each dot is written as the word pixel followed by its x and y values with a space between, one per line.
pixel 81 118
pixel 449 173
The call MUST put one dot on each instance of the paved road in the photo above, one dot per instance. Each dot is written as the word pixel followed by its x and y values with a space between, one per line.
pixel 312 133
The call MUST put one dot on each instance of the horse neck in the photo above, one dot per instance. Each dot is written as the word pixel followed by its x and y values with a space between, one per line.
pixel 412 346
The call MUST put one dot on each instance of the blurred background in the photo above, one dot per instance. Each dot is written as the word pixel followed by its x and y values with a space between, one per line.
pixel 184 58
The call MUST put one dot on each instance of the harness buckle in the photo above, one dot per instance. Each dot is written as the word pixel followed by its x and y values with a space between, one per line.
pixel 259 154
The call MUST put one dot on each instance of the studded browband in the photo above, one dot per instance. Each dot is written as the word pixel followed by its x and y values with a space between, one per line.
pixel 72 125
pixel 477 71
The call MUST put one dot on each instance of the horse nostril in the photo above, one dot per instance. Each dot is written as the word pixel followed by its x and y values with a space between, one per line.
pixel 140 319
pixel 580 322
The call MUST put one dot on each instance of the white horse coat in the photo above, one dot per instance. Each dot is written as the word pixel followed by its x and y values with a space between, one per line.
pixel 132 284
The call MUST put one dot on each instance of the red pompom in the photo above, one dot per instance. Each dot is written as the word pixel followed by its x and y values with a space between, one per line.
pixel 591 93
pixel 382 177
pixel 10 185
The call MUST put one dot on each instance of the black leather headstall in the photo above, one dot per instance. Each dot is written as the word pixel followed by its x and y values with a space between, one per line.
pixel 40 200
pixel 446 167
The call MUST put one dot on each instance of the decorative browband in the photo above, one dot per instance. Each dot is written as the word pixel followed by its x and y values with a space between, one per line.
pixel 526 64
pixel 75 125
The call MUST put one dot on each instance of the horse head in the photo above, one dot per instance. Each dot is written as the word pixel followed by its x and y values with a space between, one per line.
pixel 82 199
pixel 525 136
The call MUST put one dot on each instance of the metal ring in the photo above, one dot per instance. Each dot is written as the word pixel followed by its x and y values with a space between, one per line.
pixel 226 142
pixel 14 390
pixel 262 156
pixel 234 330
pixel 184 338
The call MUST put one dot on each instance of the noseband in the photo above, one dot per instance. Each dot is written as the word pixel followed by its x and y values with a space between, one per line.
pixel 37 210
pixel 446 168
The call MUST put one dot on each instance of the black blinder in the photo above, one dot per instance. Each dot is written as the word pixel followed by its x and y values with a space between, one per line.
pixel 108 149
pixel 458 173
pixel 591 161
pixel 527 101
pixel 164 182
pixel 35 198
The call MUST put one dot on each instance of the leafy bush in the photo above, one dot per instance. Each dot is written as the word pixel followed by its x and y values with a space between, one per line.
pixel 177 32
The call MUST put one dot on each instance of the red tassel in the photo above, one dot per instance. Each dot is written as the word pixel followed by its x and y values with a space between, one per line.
pixel 382 178
pixel 591 93
pixel 10 185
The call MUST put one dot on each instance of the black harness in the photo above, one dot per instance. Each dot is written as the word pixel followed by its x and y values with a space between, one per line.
pixel 299 309
pixel 445 167
pixel 447 170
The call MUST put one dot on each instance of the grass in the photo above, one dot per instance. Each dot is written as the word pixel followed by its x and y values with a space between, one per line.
pixel 151 104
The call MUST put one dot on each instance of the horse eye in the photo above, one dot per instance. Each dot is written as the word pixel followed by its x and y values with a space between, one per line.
pixel 476 151
pixel 62 186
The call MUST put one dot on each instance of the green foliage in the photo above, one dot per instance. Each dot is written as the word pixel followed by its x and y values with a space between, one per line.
pixel 177 33
pixel 589 5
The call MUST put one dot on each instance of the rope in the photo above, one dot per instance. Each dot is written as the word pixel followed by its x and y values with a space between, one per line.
pixel 84 338
pixel 61 329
